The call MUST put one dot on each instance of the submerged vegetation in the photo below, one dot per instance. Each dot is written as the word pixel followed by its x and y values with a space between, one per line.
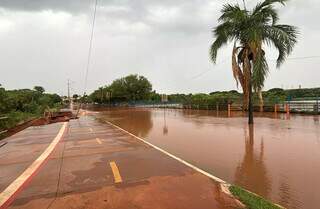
pixel 23 104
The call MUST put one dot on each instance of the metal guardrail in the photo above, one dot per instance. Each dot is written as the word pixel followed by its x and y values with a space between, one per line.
pixel 304 106
pixel 169 105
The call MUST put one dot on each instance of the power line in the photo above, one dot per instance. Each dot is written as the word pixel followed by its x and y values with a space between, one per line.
pixel 297 58
pixel 204 72
pixel 89 55
pixel 90 47
pixel 292 58
pixel 301 58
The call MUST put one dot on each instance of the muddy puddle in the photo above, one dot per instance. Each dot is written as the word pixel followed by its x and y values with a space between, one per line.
pixel 278 158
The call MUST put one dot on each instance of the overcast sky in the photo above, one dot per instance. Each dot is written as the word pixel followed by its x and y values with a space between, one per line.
pixel 45 42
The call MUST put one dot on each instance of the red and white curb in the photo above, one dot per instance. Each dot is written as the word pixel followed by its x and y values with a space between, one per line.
pixel 8 195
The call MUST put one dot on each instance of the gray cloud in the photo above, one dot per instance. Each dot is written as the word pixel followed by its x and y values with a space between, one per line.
pixel 46 41
pixel 36 5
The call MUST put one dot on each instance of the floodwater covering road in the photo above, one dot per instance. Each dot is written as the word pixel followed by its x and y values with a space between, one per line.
pixel 278 159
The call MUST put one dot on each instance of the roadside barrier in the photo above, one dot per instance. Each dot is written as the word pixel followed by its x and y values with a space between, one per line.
pixel 310 107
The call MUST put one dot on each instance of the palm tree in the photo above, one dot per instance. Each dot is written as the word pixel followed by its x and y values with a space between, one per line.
pixel 251 31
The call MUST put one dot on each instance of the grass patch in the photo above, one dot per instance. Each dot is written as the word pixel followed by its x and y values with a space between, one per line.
pixel 251 200
pixel 15 118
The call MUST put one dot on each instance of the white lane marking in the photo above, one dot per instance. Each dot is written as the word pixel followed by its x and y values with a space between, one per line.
pixel 99 141
pixel 16 184
pixel 217 179
pixel 171 155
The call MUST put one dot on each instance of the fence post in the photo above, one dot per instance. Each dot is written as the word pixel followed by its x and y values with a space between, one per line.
pixel 275 108
pixel 229 110
pixel 317 109
pixel 217 109
pixel 287 108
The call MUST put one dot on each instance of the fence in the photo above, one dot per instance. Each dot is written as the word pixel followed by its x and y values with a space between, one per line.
pixel 304 105
pixel 311 106
pixel 161 105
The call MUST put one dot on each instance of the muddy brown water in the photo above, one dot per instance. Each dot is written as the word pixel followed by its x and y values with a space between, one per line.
pixel 279 158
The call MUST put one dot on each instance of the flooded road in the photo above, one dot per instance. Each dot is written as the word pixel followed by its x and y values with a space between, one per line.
pixel 279 158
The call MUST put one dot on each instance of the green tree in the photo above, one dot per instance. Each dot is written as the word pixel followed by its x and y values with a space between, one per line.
pixel 137 87
pixel 75 97
pixel 22 104
pixel 2 99
pixel 126 89
pixel 39 89
pixel 251 31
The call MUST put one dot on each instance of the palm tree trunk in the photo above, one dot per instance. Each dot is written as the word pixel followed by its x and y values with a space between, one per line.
pixel 247 68
pixel 245 98
pixel 261 100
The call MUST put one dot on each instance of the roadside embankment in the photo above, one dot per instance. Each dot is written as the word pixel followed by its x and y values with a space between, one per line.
pixel 33 120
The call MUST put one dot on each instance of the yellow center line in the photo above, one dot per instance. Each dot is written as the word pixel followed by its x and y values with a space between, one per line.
pixel 116 173
pixel 99 141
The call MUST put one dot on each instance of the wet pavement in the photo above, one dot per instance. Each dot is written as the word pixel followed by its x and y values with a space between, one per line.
pixel 279 158
pixel 78 174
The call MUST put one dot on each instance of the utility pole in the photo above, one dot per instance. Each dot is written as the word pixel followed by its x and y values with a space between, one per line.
pixel 69 90
pixel 69 96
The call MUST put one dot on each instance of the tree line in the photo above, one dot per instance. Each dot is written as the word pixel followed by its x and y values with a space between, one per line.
pixel 132 88
pixel 138 89
pixel 22 104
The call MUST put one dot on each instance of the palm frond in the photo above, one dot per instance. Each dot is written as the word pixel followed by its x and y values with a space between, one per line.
pixel 266 15
pixel 283 37
pixel 266 3
pixel 216 45
pixel 232 13
pixel 260 71
pixel 237 73
pixel 223 33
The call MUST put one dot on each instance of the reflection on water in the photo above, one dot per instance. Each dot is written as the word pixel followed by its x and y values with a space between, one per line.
pixel 252 172
pixel 316 120
pixel 165 127
pixel 278 158
pixel 136 122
